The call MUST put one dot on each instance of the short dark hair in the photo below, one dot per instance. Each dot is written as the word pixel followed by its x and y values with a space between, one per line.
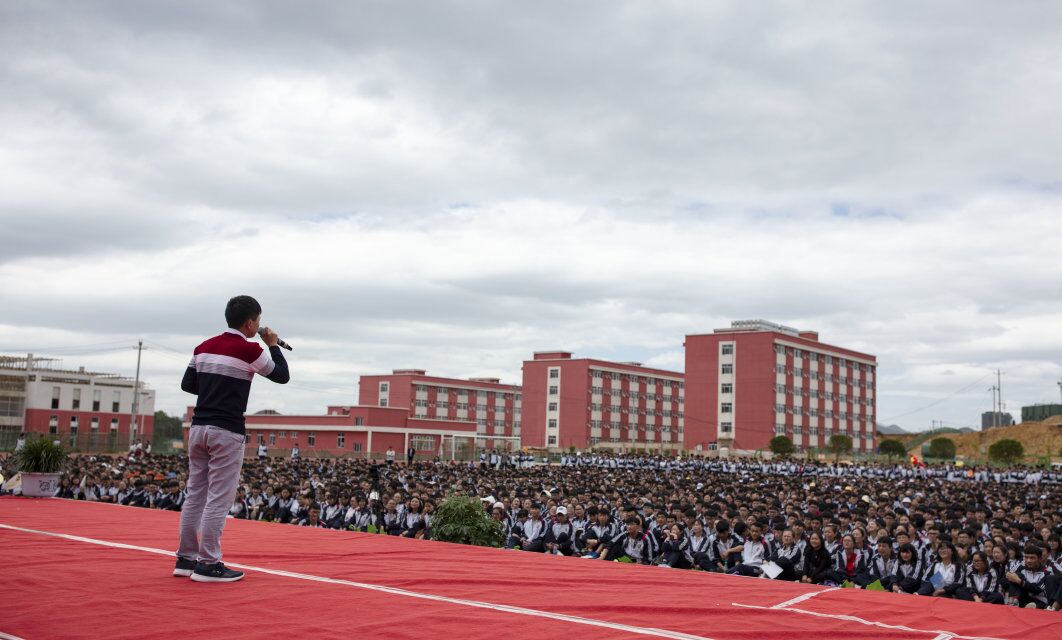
pixel 241 309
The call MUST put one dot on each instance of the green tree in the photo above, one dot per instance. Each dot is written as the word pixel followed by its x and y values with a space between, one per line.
pixel 781 446
pixel 891 448
pixel 461 519
pixel 1007 451
pixel 839 444
pixel 941 449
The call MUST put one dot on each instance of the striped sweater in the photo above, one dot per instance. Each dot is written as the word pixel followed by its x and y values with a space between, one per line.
pixel 220 373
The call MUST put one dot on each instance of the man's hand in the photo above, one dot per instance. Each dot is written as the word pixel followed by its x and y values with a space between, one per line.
pixel 1013 577
pixel 269 337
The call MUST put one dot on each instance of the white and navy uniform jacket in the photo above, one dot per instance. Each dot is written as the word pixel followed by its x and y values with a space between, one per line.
pixel 534 530
pixel 639 548
pixel 954 573
pixel 881 568
pixel 840 561
pixel 1033 584
pixel 597 531
pixel 358 519
pixel 793 553
pixel 698 545
pixel 333 515
pixel 912 570
pixel 561 533
pixel 719 550
pixel 755 553
pixel 979 583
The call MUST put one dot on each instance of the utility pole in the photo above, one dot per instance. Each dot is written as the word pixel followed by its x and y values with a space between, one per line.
pixel 999 387
pixel 1060 390
pixel 995 413
pixel 136 394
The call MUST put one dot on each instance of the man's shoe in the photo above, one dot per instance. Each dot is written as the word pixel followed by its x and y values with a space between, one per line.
pixel 215 573
pixel 184 567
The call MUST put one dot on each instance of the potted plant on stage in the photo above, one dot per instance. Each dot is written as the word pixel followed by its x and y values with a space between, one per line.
pixel 40 463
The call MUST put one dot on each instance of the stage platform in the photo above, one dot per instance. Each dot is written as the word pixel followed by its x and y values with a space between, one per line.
pixel 88 570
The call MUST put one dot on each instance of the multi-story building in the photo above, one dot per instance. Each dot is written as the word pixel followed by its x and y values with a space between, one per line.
pixel 37 395
pixel 757 379
pixel 494 407
pixel 359 431
pixel 585 403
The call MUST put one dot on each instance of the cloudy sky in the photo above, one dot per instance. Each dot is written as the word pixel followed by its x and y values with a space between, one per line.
pixel 452 186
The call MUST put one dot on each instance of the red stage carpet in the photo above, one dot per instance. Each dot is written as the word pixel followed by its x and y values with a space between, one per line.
pixel 88 570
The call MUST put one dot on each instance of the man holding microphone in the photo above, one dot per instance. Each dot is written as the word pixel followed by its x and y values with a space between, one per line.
pixel 220 374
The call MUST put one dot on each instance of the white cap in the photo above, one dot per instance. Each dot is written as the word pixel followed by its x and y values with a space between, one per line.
pixel 563 510
pixel 499 505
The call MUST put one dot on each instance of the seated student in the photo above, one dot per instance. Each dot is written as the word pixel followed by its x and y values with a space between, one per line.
pixel 516 531
pixel 675 549
pixel 754 552
pixel 560 534
pixel 788 555
pixel 284 505
pixel 255 503
pixel 413 520
pixel 533 531
pixel 173 499
pixel 599 532
pixel 312 518
pixel 952 575
pixel 239 505
pixel 700 546
pixel 909 570
pixel 428 512
pixel 725 547
pixel 848 562
pixel 1027 587
pixel 358 516
pixel 392 518
pixel 333 512
pixel 498 514
pixel 882 567
pixel 632 544
pixel 817 560
pixel 982 584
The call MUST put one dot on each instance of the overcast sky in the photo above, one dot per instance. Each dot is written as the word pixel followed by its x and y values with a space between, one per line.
pixel 452 186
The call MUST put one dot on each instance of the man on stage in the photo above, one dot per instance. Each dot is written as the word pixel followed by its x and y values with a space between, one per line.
pixel 220 374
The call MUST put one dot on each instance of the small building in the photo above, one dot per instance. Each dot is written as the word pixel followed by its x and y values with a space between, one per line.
pixel 1038 412
pixel 991 419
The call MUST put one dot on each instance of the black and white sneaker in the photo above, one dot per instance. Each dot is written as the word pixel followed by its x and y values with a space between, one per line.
pixel 184 567
pixel 215 573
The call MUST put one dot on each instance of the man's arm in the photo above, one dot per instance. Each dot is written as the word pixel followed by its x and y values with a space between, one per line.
pixel 190 382
pixel 272 365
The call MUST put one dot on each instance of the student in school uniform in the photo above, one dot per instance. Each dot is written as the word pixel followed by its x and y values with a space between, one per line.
pixel 788 555
pixel 633 544
pixel 944 577
pixel 754 552
pixel 358 516
pixel 700 546
pixel 533 531
pixel 882 566
pixel 909 570
pixel 848 562
pixel 413 520
pixel 1027 587
pixel 725 547
pixel 982 584
pixel 675 549
pixel 560 534
pixel 599 533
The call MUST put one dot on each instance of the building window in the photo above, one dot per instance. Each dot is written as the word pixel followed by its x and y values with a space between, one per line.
pixel 553 406
pixel 728 349
pixel 341 440
pixel 779 429
pixel 552 441
pixel 357 447
pixel 423 443
pixel 94 425
pixel 554 374
pixel 116 399
pixel 553 391
pixel 272 438
pixel 726 388
pixel 727 369
pixel 260 438
pixel 311 438
pixel 726 427
pixel 53 425
pixel 726 407
pixel 77 399
pixel 55 397
pixel 383 402
pixel 96 400
pixel 383 387
pixel 114 426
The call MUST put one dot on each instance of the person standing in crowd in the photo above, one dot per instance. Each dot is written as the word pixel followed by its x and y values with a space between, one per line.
pixel 411 453
pixel 220 375
pixel 262 451
pixel 390 456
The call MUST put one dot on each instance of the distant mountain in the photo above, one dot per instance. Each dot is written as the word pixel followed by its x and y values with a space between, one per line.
pixel 891 430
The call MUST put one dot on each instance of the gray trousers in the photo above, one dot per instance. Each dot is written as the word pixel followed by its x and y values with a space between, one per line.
pixel 215 458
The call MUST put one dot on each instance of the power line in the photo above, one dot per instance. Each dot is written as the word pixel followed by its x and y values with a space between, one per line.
pixel 936 402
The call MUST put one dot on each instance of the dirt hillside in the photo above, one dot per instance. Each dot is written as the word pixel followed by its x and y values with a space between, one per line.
pixel 1038 438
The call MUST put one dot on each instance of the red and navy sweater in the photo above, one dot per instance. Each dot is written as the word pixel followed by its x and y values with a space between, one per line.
pixel 220 373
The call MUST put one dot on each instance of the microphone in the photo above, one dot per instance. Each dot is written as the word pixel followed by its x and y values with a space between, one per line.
pixel 280 343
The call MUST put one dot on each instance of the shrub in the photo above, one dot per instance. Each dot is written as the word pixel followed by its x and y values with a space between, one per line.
pixel 461 519
pixel 891 448
pixel 781 446
pixel 941 448
pixel 1007 451
pixel 839 444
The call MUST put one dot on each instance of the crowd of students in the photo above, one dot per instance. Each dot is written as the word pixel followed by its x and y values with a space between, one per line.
pixel 939 531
